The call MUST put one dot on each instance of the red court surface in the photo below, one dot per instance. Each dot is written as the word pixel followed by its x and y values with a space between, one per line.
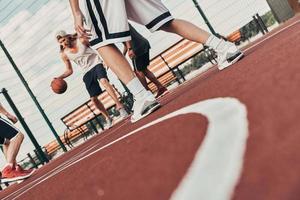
pixel 254 154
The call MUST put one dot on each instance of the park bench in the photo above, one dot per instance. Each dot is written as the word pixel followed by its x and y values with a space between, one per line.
pixel 165 66
pixel 235 37
pixel 69 135
pixel 78 120
pixel 88 111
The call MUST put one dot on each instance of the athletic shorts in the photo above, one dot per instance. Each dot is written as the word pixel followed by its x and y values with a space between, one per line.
pixel 91 78
pixel 7 131
pixel 108 19
pixel 141 62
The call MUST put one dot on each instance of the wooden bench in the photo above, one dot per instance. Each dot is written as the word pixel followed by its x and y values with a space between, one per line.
pixel 235 37
pixel 165 80
pixel 67 138
pixel 77 120
pixel 165 66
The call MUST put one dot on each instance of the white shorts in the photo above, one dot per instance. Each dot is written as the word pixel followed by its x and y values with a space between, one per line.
pixel 108 19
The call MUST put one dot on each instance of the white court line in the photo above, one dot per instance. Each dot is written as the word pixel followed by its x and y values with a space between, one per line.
pixel 75 157
pixel 227 116
pixel 216 106
pixel 254 45
pixel 217 166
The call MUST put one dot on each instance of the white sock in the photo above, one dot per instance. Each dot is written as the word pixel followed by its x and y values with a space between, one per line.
pixel 216 43
pixel 136 87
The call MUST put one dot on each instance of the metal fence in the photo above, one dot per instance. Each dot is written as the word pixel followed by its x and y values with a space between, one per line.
pixel 27 29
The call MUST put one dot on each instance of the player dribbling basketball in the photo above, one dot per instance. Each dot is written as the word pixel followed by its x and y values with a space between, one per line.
pixel 76 49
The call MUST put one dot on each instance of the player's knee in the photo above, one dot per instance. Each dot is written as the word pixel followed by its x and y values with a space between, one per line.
pixel 19 137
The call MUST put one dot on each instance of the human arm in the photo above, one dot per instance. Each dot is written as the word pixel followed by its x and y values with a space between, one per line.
pixel 68 70
pixel 78 19
pixel 7 114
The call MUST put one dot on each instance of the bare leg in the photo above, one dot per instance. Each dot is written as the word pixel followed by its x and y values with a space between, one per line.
pixel 142 78
pixel 111 92
pixel 153 78
pixel 11 150
pixel 186 30
pixel 117 62
pixel 100 106
pixel 5 148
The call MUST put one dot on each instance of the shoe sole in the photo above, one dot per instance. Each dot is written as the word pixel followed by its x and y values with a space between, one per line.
pixel 162 94
pixel 150 109
pixel 18 179
pixel 108 127
pixel 232 60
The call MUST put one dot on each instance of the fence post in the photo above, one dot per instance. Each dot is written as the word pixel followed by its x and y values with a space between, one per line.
pixel 25 126
pixel 167 64
pixel 261 23
pixel 93 126
pixel 212 30
pixel 32 95
pixel 32 160
pixel 258 25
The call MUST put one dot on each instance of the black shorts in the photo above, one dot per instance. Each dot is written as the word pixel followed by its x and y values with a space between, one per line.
pixel 141 62
pixel 91 78
pixel 7 130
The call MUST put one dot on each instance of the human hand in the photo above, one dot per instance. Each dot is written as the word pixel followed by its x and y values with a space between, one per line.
pixel 12 118
pixel 131 53
pixel 78 26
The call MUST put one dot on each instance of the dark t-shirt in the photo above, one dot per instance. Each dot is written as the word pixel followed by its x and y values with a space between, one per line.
pixel 140 45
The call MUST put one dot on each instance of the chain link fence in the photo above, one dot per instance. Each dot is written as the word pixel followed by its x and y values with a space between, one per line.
pixel 27 29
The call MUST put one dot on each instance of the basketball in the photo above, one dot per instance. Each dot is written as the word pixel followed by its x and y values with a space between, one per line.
pixel 59 85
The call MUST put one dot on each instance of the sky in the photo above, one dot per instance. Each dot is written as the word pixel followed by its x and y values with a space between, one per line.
pixel 27 29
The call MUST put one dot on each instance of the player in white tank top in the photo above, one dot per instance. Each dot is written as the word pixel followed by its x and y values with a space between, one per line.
pixel 77 50
pixel 85 57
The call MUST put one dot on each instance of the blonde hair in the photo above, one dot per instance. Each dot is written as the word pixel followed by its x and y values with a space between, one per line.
pixel 72 37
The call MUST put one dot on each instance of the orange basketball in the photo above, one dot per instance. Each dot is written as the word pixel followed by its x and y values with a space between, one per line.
pixel 59 85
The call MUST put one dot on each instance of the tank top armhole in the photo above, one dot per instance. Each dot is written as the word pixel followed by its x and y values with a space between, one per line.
pixel 81 43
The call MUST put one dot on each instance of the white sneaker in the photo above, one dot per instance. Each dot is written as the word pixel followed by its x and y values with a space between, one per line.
pixel 143 106
pixel 123 113
pixel 107 124
pixel 228 55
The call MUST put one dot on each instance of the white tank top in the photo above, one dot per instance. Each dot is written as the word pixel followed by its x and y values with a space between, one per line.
pixel 85 57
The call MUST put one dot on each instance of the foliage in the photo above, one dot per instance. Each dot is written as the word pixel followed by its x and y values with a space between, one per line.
pixel 269 19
